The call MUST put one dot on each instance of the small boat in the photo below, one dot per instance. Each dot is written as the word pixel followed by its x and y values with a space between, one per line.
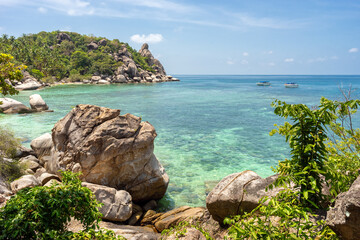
pixel 291 85
pixel 263 83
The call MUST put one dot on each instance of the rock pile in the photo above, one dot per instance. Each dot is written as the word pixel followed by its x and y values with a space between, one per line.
pixel 9 105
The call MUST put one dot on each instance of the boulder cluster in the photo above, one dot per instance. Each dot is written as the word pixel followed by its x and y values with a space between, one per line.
pixel 37 104
pixel 130 71
pixel 115 155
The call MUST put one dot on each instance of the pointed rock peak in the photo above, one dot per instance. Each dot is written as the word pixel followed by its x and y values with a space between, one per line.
pixel 144 46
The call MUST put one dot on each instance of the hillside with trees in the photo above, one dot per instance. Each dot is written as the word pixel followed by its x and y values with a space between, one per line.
pixel 55 56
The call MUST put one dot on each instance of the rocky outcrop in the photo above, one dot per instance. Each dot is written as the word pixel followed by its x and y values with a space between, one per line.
pixel 344 217
pixel 109 149
pixel 117 204
pixel 29 84
pixel 238 193
pixel 24 182
pixel 62 37
pixel 153 62
pixel 92 46
pixel 37 103
pixel 9 105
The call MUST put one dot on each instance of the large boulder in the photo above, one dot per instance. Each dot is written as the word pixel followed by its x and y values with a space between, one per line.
pixel 109 149
pixel 227 196
pixel 344 217
pixel 42 146
pixel 29 84
pixel 9 105
pixel 117 204
pixel 132 70
pixel 24 182
pixel 120 79
pixel 37 103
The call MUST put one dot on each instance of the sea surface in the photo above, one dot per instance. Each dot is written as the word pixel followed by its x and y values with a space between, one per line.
pixel 208 126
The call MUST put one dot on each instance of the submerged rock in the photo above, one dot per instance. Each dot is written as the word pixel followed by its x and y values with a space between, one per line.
pixel 109 149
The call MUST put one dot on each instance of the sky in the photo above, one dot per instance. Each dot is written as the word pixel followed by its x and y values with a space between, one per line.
pixel 208 36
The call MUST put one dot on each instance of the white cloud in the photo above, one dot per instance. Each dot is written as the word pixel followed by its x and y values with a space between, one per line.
pixel 245 54
pixel 322 59
pixel 42 10
pixel 271 64
pixel 353 50
pixel 151 38
pixel 270 52
pixel 289 60
pixel 243 62
pixel 160 4
pixel 230 62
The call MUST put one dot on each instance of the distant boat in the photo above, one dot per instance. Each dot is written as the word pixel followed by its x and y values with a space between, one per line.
pixel 291 85
pixel 263 83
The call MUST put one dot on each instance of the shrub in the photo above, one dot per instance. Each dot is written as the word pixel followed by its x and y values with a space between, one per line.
pixel 44 212
pixel 9 171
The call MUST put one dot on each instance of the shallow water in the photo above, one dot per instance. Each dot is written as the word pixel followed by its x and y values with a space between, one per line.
pixel 208 126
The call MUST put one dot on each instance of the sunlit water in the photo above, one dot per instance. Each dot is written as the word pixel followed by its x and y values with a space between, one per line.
pixel 208 126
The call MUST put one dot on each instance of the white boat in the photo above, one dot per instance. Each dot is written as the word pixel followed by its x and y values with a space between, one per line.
pixel 263 83
pixel 291 85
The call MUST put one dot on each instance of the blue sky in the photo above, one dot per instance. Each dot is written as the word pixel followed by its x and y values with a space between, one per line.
pixel 210 37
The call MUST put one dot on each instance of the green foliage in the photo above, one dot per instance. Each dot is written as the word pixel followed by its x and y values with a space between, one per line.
pixel 9 171
pixel 43 52
pixel 9 71
pixel 343 149
pixel 44 212
pixel 306 136
pixel 37 74
pixel 280 217
pixel 101 234
pixel 180 230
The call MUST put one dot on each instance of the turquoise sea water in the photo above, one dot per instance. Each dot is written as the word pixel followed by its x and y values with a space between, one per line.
pixel 208 126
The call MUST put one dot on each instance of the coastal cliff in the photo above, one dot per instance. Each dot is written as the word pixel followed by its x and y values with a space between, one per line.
pixel 68 57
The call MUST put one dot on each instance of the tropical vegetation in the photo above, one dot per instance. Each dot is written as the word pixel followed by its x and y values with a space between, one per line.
pixel 47 55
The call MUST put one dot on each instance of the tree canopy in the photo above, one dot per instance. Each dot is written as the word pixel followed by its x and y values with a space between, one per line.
pixel 48 54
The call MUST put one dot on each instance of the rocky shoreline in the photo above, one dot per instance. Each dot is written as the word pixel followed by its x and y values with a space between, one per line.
pixel 115 155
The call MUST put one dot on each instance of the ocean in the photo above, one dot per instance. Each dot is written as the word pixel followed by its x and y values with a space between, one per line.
pixel 208 126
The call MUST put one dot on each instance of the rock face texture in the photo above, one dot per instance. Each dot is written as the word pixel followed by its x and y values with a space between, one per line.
pixel 344 217
pixel 37 103
pixel 9 105
pixel 24 182
pixel 109 149
pixel 238 193
pixel 117 204
pixel 145 52
pixel 42 146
